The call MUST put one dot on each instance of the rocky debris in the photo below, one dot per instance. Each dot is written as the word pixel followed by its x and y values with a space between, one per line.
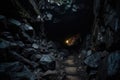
pixel 25 57
pixel 48 62
pixel 48 16
pixel 93 60
pixel 16 70
pixel 24 60
pixel 7 36
pixel 75 8
pixel 72 68
pixel 51 8
pixel 20 44
pixel 34 45
pixel 4 44
pixel 15 22
pixel 60 2
pixel 100 53
pixel 113 63
pixel 22 30
pixel 28 29
pixel 109 26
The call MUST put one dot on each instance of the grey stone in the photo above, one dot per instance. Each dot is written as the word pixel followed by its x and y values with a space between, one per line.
pixel 20 44
pixel 7 35
pixel 113 63
pixel 27 27
pixel 4 44
pixel 47 58
pixel 15 22
pixel 93 60
pixel 34 45
pixel 48 62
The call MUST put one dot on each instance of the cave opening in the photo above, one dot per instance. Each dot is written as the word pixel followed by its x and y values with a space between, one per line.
pixel 59 40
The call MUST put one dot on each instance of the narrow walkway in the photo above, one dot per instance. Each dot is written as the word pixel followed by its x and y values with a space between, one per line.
pixel 73 68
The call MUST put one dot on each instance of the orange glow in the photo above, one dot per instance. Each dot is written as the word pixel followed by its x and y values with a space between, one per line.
pixel 67 41
pixel 70 41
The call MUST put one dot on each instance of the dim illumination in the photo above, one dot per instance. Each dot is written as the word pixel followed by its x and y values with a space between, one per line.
pixel 70 41
pixel 67 41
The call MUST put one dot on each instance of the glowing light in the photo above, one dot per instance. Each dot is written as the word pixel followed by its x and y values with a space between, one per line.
pixel 67 41
pixel 71 40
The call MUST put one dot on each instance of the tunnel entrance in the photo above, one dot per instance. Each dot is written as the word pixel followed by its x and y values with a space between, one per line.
pixel 71 23
pixel 59 40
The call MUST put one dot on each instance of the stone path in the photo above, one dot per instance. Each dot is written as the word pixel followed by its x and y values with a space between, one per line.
pixel 72 68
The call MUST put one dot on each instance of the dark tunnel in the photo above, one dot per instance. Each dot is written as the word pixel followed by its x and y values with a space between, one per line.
pixel 59 40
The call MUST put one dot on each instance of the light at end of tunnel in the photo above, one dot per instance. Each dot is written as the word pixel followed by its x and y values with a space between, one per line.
pixel 71 40
pixel 67 41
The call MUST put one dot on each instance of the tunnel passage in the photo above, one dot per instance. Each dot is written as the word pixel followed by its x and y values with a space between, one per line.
pixel 71 23
pixel 28 55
